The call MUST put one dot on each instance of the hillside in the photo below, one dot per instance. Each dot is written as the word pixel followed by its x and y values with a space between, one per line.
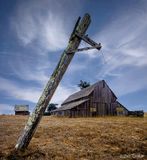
pixel 102 138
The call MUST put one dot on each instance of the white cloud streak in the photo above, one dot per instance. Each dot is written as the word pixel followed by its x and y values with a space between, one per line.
pixel 125 38
pixel 30 25
pixel 32 94
pixel 62 93
pixel 125 49
pixel 132 80
pixel 45 26
pixel 15 91
pixel 45 22
pixel 31 72
pixel 6 109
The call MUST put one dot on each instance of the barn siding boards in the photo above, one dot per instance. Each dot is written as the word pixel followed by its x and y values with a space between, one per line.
pixel 119 109
pixel 95 100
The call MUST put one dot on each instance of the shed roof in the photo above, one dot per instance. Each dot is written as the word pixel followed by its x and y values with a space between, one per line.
pixel 71 105
pixel 21 107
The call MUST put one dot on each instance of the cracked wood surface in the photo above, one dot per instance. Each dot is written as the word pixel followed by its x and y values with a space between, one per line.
pixel 51 86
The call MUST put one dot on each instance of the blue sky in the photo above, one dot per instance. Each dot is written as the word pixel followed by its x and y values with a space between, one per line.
pixel 33 34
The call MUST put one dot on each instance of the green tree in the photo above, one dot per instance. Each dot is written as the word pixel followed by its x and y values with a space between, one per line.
pixel 83 84
pixel 51 107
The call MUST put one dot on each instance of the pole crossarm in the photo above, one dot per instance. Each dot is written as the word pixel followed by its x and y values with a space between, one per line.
pixel 82 49
pixel 89 41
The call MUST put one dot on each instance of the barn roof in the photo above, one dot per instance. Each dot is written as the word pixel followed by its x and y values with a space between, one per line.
pixel 71 105
pixel 121 105
pixel 84 93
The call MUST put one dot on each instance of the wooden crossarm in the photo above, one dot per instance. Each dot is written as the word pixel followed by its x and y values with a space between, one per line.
pixel 89 41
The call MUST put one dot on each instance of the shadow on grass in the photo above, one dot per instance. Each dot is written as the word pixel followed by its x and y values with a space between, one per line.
pixel 23 155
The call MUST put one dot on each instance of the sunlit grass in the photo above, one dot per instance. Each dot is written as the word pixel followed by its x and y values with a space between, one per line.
pixel 77 138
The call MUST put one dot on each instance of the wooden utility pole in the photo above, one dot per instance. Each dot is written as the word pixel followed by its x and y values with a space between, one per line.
pixel 77 35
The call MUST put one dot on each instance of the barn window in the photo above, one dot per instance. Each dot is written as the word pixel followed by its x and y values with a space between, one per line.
pixel 119 110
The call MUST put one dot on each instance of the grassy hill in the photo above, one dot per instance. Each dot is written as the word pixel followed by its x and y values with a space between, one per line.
pixel 102 138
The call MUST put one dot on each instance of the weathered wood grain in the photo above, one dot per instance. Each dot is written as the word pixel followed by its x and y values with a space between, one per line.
pixel 52 84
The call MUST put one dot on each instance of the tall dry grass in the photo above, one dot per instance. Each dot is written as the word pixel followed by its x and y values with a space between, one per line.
pixel 102 138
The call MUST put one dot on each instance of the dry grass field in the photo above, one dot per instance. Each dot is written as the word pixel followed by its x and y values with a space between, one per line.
pixel 102 138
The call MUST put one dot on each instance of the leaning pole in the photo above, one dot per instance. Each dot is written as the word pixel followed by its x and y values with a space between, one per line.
pixel 66 57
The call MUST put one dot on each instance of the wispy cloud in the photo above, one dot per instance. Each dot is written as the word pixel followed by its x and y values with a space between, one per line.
pixel 124 47
pixel 31 71
pixel 32 94
pixel 130 80
pixel 32 24
pixel 62 93
pixel 125 38
pixel 14 90
pixel 6 109
pixel 43 22
pixel 44 26
pixel 41 27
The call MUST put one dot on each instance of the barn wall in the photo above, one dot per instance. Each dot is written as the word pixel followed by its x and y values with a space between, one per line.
pixel 101 109
pixel 22 113
pixel 91 109
pixel 120 110
pixel 81 110
pixel 100 105
pixel 103 94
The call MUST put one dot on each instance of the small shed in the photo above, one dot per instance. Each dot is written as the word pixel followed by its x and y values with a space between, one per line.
pixel 139 113
pixel 21 110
